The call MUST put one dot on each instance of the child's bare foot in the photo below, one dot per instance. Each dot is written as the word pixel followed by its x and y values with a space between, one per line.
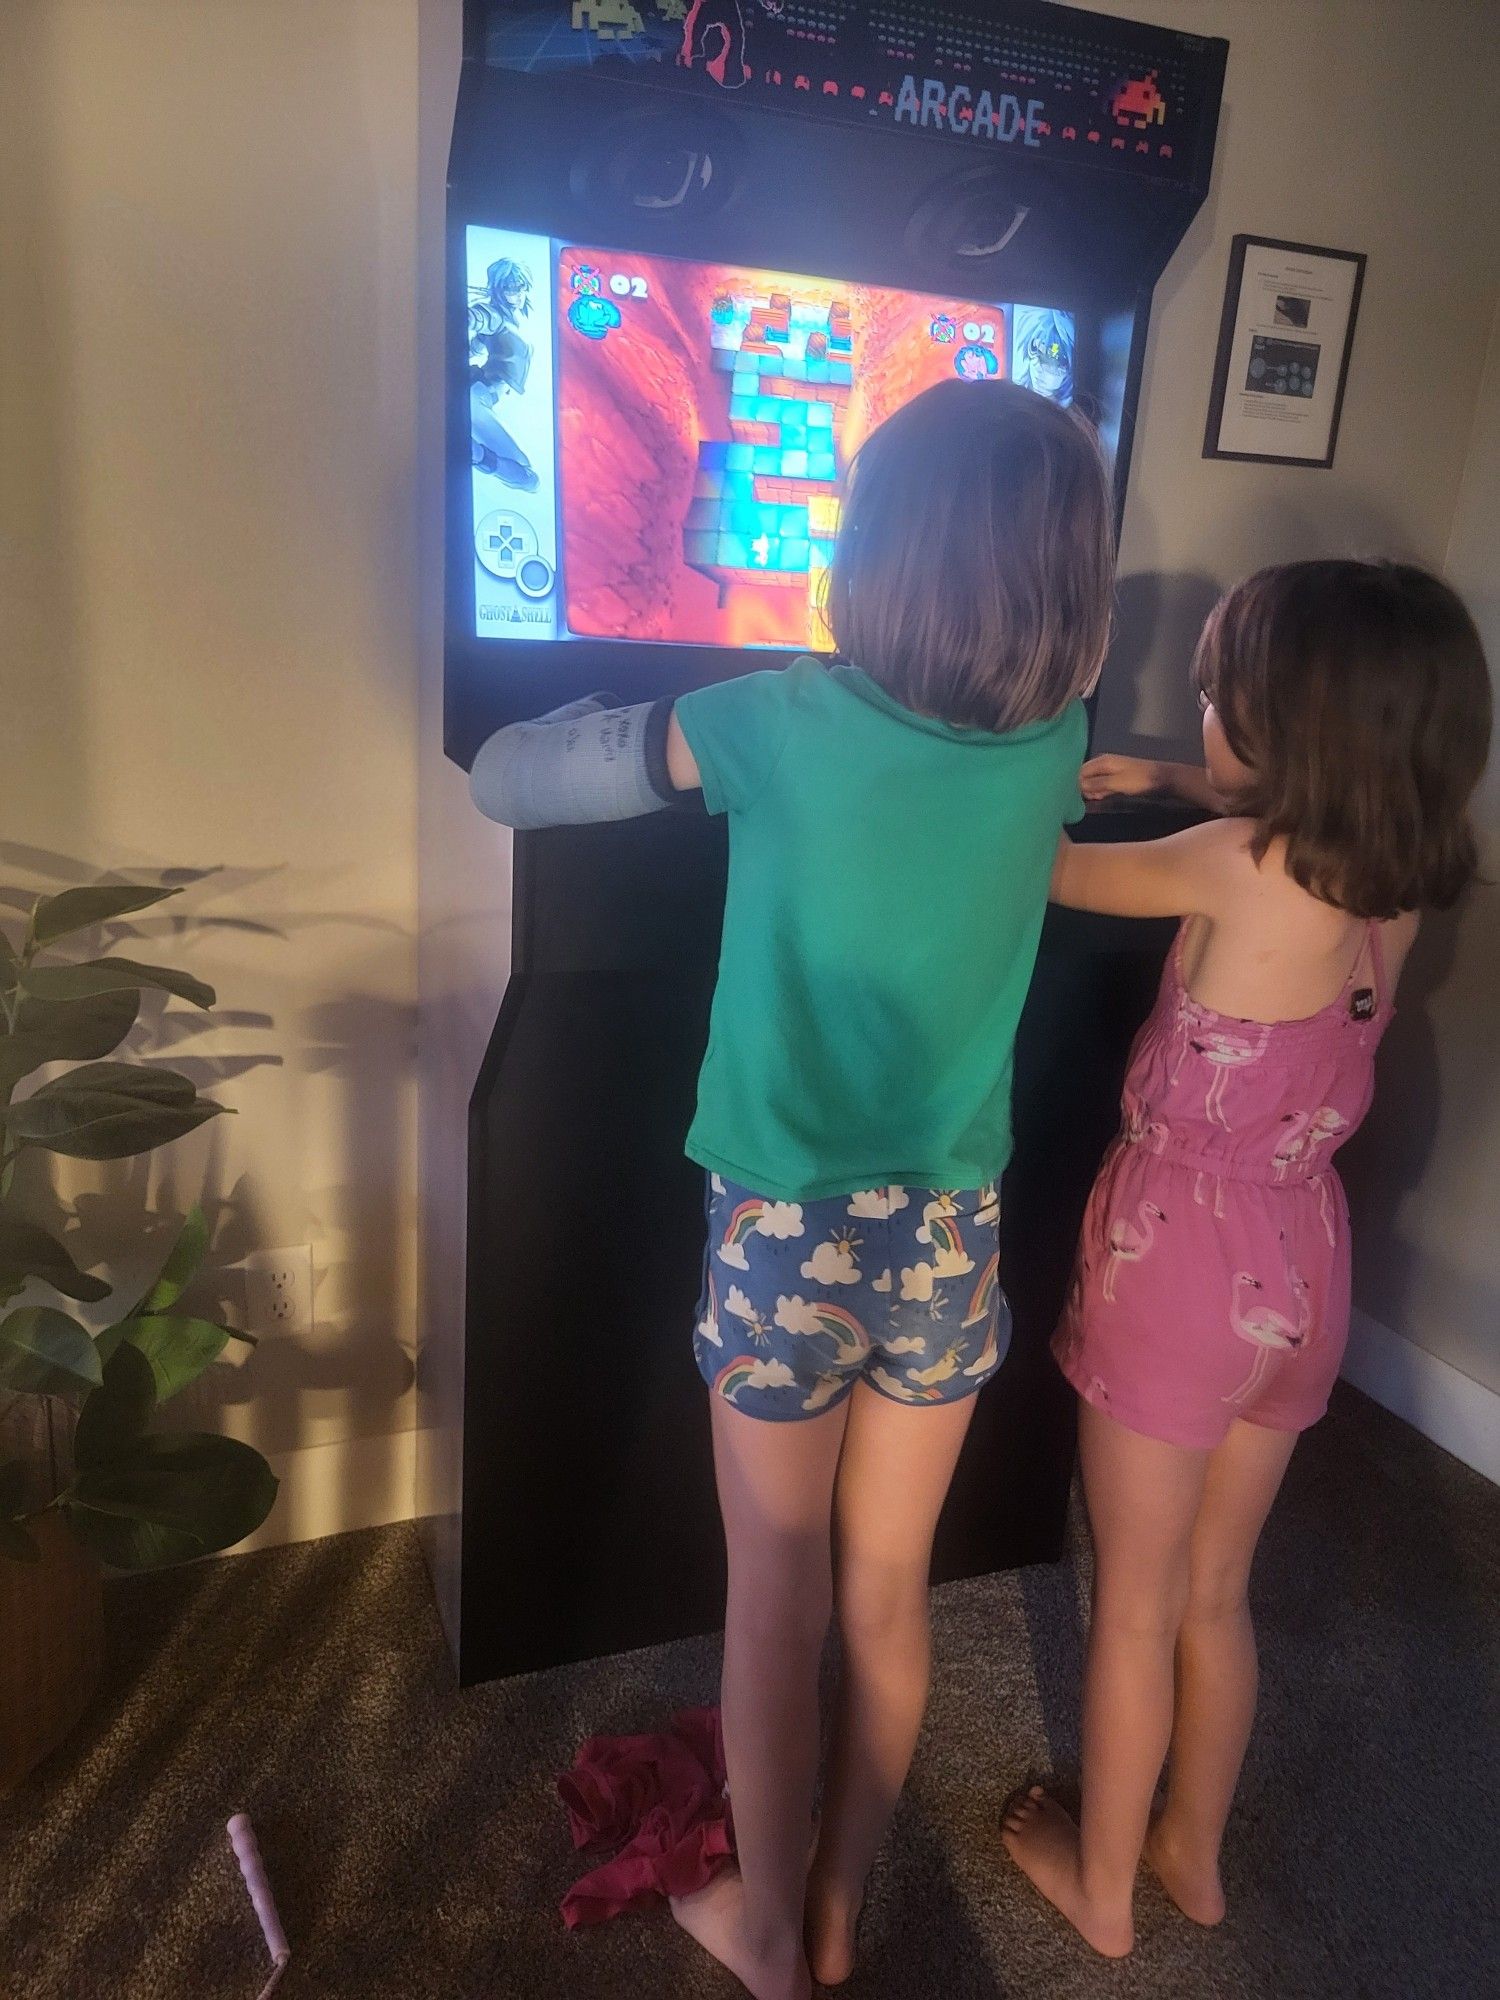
pixel 1191 1880
pixel 715 1916
pixel 1043 1842
pixel 832 1919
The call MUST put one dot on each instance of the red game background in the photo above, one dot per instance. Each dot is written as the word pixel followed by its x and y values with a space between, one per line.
pixel 633 406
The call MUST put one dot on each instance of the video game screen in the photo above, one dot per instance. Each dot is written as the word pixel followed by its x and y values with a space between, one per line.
pixel 657 445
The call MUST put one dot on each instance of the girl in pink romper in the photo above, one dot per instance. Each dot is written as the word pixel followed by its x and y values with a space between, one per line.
pixel 1346 723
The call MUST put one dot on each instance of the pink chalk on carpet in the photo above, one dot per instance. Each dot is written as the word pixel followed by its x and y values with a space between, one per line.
pixel 247 1853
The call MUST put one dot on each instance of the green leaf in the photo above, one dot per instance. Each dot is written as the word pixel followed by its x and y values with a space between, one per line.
pixel 178 1349
pixel 118 1411
pixel 182 1264
pixel 108 1111
pixel 112 975
pixel 75 909
pixel 65 1031
pixel 44 1352
pixel 170 1495
pixel 17 1544
pixel 29 1252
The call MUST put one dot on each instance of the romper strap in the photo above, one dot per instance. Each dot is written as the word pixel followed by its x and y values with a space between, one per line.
pixel 1377 959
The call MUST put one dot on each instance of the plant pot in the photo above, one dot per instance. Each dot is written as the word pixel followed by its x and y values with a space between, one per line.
pixel 52 1618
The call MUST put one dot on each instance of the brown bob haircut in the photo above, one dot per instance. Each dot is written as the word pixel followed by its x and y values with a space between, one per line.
pixel 974 567
pixel 1358 695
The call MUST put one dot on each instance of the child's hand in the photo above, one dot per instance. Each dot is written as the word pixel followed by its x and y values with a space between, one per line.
pixel 1113 777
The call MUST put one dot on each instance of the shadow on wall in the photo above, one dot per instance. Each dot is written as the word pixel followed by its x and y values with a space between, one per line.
pixel 346 1378
pixel 1157 621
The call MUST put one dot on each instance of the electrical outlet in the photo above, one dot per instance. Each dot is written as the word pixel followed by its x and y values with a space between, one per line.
pixel 279 1290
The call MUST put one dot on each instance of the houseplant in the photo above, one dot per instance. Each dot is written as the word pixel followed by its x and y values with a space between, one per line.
pixel 92 1483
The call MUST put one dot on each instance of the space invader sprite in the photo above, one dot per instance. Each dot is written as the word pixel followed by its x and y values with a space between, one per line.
pixel 610 20
pixel 1138 102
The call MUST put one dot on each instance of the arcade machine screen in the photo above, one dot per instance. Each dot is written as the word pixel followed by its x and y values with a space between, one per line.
pixel 657 445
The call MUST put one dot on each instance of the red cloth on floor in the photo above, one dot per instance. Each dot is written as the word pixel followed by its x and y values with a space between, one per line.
pixel 662 1798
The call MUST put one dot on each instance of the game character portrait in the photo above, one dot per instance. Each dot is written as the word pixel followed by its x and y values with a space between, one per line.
pixel 499 363
pixel 1043 352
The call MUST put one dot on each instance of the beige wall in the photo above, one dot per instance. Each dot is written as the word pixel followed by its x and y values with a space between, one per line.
pixel 1426 1180
pixel 1322 141
pixel 207 364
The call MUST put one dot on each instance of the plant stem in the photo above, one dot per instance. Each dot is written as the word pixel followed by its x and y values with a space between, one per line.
pixel 51 1448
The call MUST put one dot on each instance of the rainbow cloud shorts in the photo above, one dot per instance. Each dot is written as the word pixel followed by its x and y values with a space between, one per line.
pixel 898 1287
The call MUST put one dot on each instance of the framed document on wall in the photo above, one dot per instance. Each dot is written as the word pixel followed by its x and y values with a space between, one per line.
pixel 1284 341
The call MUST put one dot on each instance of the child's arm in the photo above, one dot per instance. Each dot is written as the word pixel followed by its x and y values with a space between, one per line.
pixel 1186 875
pixel 682 765
pixel 1114 777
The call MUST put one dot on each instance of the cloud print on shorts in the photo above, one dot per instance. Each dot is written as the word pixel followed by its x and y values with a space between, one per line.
pixel 736 1302
pixel 882 1283
pixel 795 1315
pixel 823 1392
pixel 832 1264
pixel 916 1282
pixel 951 1263
pixel 907 1344
pixel 708 1328
pixel 769 1375
pixel 878 1203
pixel 734 1253
pixel 780 1219
pixel 894 1386
pixel 941 1204
pixel 715 1181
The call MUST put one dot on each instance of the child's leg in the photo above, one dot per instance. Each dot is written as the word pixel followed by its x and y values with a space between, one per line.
pixel 1143 1497
pixel 896 1469
pixel 775 1485
pixel 1216 1668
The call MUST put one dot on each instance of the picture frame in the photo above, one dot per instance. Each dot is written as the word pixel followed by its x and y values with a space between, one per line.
pixel 1285 337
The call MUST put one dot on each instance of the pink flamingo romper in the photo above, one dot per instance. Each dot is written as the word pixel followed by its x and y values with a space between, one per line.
pixel 1212 1279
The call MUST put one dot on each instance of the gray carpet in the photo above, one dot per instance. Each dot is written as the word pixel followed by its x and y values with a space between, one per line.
pixel 417 1848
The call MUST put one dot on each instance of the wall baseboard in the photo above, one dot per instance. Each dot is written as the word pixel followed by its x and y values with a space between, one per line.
pixel 329 1489
pixel 1435 1398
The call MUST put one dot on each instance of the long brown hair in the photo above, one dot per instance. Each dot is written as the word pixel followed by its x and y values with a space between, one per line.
pixel 1358 695
pixel 974 566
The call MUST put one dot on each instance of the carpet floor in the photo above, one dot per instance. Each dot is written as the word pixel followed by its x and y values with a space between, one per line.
pixel 417 1847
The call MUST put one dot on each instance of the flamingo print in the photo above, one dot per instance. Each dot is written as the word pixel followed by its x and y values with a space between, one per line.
pixel 1227 1053
pixel 1269 1331
pixel 1306 1131
pixel 1129 1243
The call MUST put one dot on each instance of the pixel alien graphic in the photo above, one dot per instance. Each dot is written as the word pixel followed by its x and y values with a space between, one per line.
pixel 1138 102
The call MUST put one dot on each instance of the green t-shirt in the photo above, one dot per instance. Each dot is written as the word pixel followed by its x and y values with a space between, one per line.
pixel 888 874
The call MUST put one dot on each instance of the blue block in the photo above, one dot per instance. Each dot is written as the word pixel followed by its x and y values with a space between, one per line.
pixel 702 514
pixel 767 458
pixel 733 552
pixel 796 553
pixel 767 410
pixel 841 371
pixel 791 521
pixel 820 415
pixel 817 369
pixel 794 464
pixel 708 485
pixel 700 549
pixel 725 359
pixel 822 465
pixel 820 555
pixel 739 485
pixel 747 517
pixel 711 454
pixel 795 368
pixel 741 457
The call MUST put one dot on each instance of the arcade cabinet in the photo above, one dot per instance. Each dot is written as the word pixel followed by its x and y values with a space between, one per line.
pixel 696 252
